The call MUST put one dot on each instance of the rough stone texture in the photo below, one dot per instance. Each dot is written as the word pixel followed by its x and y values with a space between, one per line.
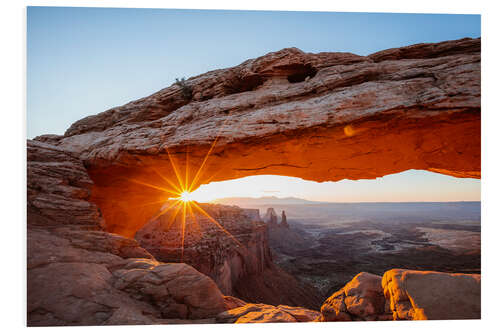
pixel 420 295
pixel 233 302
pixel 360 299
pixel 263 313
pixel 176 290
pixel 321 117
pixel 226 246
pixel 78 274
pixel 58 187
pixel 231 247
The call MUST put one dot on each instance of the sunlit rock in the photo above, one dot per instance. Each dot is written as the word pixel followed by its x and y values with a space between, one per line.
pixel 360 299
pixel 420 295
pixel 263 313
pixel 321 117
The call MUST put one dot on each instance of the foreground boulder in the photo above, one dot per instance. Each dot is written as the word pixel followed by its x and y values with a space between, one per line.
pixel 420 295
pixel 360 299
pixel 263 313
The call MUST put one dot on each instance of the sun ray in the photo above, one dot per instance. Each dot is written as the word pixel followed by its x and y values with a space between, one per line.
pixel 177 188
pixel 150 203
pixel 163 211
pixel 201 210
pixel 173 217
pixel 159 188
pixel 183 229
pixel 198 173
pixel 179 179
pixel 186 180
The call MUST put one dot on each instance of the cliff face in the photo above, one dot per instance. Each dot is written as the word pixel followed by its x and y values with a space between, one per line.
pixel 78 274
pixel 231 246
pixel 321 117
pixel 226 246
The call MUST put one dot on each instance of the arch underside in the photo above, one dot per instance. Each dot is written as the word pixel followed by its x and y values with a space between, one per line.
pixel 354 118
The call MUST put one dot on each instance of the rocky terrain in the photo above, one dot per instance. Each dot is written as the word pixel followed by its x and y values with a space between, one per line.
pixel 233 250
pixel 328 256
pixel 325 116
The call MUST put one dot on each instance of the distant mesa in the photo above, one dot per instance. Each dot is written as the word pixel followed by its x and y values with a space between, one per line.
pixel 264 201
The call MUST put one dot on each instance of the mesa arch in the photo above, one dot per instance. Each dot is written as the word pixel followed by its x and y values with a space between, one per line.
pixel 320 117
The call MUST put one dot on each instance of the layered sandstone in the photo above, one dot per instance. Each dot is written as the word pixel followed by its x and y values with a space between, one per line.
pixel 422 295
pixel 78 274
pixel 406 295
pixel 362 298
pixel 263 313
pixel 229 244
pixel 321 117
pixel 226 245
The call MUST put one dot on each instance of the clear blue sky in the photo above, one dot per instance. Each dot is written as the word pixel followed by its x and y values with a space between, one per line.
pixel 83 61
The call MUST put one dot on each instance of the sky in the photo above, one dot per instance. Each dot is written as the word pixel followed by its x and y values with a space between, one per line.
pixel 82 61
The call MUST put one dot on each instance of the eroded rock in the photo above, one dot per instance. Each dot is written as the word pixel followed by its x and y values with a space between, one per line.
pixel 263 313
pixel 360 299
pixel 421 295
pixel 415 107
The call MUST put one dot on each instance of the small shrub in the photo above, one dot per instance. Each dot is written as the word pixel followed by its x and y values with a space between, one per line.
pixel 186 90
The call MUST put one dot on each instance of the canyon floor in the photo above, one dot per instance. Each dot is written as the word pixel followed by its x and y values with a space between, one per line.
pixel 327 250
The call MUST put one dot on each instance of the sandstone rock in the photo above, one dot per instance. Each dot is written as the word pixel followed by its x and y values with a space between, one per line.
pixel 79 274
pixel 58 188
pixel 360 299
pixel 233 302
pixel 177 290
pixel 225 245
pixel 301 314
pixel 415 107
pixel 271 218
pixel 284 223
pixel 233 251
pixel 263 313
pixel 420 295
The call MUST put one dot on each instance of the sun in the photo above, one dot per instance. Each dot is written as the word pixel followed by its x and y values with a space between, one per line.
pixel 186 196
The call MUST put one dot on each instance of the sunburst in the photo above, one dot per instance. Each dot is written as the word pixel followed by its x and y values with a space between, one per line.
pixel 180 193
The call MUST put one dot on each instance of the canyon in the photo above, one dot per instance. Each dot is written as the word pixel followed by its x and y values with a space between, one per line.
pixel 92 192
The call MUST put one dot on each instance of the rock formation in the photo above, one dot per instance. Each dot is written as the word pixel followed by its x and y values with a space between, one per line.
pixel 360 299
pixel 356 117
pixel 283 223
pixel 406 295
pixel 233 251
pixel 271 218
pixel 421 295
pixel 263 313
pixel 226 250
pixel 81 275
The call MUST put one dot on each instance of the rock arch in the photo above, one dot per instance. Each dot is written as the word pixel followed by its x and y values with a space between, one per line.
pixel 357 117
